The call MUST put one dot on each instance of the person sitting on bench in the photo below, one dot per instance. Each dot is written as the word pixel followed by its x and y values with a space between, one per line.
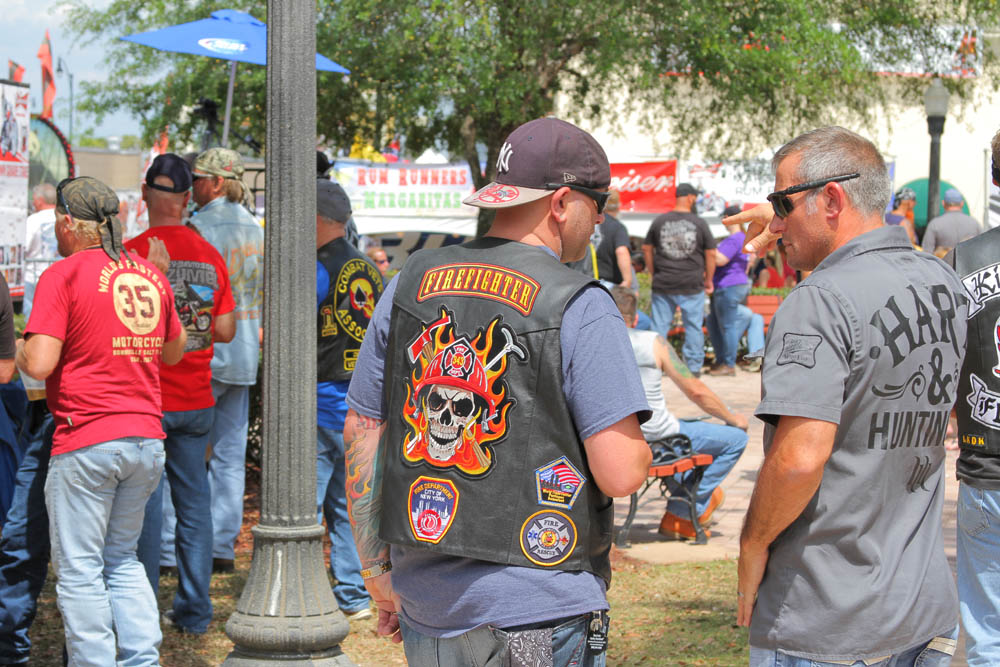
pixel 657 358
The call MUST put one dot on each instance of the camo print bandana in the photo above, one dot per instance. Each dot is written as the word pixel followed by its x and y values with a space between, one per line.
pixel 86 198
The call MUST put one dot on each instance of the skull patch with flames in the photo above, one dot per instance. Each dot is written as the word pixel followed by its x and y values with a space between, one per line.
pixel 457 400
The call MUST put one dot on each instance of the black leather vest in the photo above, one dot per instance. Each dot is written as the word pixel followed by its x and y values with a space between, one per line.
pixel 343 316
pixel 480 455
pixel 977 263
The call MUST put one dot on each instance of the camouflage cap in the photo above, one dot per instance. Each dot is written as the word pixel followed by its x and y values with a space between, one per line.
pixel 219 161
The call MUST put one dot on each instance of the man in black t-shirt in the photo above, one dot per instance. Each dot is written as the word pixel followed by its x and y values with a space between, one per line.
pixel 614 254
pixel 680 256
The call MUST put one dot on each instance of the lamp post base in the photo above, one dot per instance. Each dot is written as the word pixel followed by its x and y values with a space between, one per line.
pixel 287 614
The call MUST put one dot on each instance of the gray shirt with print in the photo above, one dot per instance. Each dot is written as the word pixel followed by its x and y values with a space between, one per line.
pixel 872 341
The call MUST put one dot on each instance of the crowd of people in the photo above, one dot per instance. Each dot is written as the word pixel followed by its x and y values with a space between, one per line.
pixel 517 366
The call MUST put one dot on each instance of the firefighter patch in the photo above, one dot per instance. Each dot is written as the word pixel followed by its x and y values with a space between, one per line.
pixel 548 538
pixel 458 403
pixel 432 504
pixel 558 483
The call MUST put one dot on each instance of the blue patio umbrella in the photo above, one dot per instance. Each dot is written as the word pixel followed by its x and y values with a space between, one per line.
pixel 228 35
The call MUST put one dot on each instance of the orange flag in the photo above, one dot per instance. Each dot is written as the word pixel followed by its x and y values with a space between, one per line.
pixel 16 71
pixel 48 77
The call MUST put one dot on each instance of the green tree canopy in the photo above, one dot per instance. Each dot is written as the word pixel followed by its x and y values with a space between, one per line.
pixel 730 77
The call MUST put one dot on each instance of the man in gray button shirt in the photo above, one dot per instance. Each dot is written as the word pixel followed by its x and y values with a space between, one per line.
pixel 841 554
pixel 952 227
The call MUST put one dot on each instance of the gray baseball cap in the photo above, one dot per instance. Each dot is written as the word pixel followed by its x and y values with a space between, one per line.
pixel 538 157
pixel 953 196
pixel 331 201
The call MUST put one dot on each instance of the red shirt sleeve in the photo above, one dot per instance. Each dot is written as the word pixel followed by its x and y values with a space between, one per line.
pixel 50 314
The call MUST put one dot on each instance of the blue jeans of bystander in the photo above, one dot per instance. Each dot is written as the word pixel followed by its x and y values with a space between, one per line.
pixel 227 467
pixel 488 646
pixel 692 313
pixel 24 548
pixel 727 322
pixel 978 578
pixel 725 444
pixel 185 444
pixel 95 497
pixel 331 502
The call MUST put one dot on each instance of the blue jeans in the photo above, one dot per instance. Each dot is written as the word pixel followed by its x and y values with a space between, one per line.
pixel 918 656
pixel 24 548
pixel 227 467
pixel 186 443
pixel 488 646
pixel 727 323
pixel 978 577
pixel 692 313
pixel 331 502
pixel 725 444
pixel 95 497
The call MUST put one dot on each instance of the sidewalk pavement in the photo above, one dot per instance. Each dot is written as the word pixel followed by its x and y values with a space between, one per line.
pixel 741 393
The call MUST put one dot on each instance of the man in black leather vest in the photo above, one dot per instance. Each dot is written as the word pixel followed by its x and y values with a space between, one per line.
pixel 494 411
pixel 347 287
pixel 977 262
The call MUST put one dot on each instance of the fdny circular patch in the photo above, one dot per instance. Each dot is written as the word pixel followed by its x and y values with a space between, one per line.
pixel 548 538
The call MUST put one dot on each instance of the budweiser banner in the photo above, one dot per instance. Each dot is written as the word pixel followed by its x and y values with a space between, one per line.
pixel 645 187
pixel 13 180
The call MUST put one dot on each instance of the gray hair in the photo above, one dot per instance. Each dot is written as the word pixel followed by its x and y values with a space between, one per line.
pixel 833 151
pixel 45 191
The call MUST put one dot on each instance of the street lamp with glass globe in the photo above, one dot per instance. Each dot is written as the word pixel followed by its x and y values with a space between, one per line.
pixel 936 106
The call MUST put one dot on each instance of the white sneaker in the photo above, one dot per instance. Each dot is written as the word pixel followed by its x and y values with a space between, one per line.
pixel 359 614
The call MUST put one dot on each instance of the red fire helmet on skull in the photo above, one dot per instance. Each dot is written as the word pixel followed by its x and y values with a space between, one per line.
pixel 458 365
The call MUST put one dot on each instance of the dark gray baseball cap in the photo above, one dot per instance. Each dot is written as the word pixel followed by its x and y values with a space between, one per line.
pixel 542 152
pixel 331 201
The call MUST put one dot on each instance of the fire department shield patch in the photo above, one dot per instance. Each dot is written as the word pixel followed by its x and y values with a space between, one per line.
pixel 548 538
pixel 432 504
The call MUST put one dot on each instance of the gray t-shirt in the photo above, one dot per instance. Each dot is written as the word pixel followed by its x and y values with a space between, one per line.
pixel 948 230
pixel 872 341
pixel 445 596
pixel 663 423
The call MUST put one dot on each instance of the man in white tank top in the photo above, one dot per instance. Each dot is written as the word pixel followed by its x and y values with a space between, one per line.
pixel 725 443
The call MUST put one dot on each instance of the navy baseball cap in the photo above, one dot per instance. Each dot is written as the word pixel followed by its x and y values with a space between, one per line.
pixel 541 153
pixel 173 167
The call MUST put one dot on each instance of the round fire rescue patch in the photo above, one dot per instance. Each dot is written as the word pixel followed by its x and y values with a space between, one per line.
pixel 548 538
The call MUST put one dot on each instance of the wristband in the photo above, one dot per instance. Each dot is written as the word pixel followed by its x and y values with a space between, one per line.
pixel 378 569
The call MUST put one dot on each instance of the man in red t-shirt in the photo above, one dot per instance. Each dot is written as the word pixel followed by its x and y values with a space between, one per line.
pixel 102 322
pixel 204 303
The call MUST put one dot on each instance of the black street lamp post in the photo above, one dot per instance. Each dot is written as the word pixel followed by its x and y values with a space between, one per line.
pixel 936 106
pixel 287 614
pixel 62 69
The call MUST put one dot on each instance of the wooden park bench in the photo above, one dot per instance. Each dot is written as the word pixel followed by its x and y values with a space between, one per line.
pixel 765 305
pixel 672 457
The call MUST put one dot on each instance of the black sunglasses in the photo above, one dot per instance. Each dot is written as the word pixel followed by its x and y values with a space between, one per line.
pixel 59 194
pixel 600 198
pixel 782 203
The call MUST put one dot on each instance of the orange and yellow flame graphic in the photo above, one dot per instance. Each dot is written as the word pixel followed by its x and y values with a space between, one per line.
pixel 443 363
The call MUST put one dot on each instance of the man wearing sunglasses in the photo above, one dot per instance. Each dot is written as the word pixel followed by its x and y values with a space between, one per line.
pixel 841 554
pixel 510 415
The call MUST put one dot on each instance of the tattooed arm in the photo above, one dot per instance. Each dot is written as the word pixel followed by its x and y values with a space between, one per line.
pixel 364 504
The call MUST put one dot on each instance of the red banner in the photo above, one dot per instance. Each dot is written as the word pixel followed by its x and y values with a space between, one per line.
pixel 48 77
pixel 16 71
pixel 645 187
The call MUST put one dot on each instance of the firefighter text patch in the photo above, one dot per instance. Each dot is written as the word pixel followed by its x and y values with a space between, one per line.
pixel 480 280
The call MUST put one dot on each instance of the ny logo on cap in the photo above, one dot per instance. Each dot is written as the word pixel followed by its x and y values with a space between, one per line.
pixel 503 161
